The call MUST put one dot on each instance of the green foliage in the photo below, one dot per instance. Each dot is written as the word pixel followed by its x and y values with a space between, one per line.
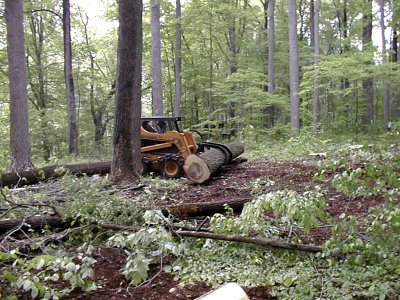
pixel 365 170
pixel 143 247
pixel 89 200
pixel 44 276
pixel 288 208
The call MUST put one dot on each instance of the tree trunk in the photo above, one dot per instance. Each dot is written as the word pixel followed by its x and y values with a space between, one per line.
pixel 34 176
pixel 38 87
pixel 315 95
pixel 294 67
pixel 199 168
pixel 69 82
pixel 126 161
pixel 156 71
pixel 178 61
pixel 20 158
pixel 385 92
pixel 367 43
pixel 271 47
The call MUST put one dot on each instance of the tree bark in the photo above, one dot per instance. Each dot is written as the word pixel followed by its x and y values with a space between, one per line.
pixel 293 67
pixel 199 168
pixel 69 81
pixel 156 72
pixel 20 158
pixel 126 161
pixel 178 60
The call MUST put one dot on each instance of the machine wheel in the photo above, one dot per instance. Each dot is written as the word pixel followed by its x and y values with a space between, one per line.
pixel 171 169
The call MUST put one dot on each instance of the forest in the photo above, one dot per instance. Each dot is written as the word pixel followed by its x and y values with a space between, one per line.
pixel 310 210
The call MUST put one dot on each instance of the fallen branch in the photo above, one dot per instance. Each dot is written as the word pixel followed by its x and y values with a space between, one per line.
pixel 250 240
pixel 55 221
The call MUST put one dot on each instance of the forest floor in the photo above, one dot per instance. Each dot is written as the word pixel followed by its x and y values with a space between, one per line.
pixel 232 182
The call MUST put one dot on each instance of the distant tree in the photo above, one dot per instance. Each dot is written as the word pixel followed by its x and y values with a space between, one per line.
pixel 157 91
pixel 271 46
pixel 368 84
pixel 19 122
pixel 178 60
pixel 293 67
pixel 69 81
pixel 315 43
pixel 385 92
pixel 126 161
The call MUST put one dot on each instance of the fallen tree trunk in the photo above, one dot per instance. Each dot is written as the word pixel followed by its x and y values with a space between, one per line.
pixel 34 222
pixel 199 168
pixel 40 174
pixel 187 210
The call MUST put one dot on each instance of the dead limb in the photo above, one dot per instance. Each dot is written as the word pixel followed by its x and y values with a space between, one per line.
pixel 250 240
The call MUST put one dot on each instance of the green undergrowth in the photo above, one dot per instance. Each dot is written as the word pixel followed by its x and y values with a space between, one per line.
pixel 359 261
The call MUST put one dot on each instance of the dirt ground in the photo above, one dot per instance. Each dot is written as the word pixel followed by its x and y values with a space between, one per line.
pixel 232 182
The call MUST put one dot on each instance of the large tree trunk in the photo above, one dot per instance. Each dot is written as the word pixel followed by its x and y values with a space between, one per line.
pixel 126 161
pixel 19 122
pixel 69 82
pixel 294 67
pixel 156 71
pixel 178 60
pixel 199 168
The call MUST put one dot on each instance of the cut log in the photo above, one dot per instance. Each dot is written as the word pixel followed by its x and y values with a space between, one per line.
pixel 186 210
pixel 40 174
pixel 34 222
pixel 199 168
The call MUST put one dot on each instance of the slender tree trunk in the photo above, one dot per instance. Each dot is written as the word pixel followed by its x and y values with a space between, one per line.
pixel 293 67
pixel 126 161
pixel 20 158
pixel 158 109
pixel 312 23
pixel 38 88
pixel 385 94
pixel 367 43
pixel 271 46
pixel 178 60
pixel 315 96
pixel 69 82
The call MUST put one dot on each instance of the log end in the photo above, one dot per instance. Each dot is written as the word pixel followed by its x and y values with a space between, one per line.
pixel 196 169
